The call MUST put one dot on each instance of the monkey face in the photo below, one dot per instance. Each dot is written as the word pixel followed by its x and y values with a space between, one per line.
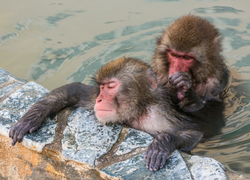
pixel 106 106
pixel 179 61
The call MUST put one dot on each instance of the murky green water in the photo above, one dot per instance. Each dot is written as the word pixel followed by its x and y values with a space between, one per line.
pixel 54 43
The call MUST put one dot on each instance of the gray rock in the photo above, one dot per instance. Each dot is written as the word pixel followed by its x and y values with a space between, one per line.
pixel 135 168
pixel 85 139
pixel 8 83
pixel 133 140
pixel 14 107
pixel 5 76
pixel 206 168
pixel 8 88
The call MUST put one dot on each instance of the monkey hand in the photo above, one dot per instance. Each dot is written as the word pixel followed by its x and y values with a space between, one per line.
pixel 182 81
pixel 159 151
pixel 28 123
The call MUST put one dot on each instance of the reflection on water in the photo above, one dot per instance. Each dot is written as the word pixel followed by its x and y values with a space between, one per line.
pixel 67 60
pixel 8 36
pixel 128 40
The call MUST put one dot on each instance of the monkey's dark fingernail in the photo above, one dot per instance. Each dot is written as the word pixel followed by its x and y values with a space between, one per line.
pixel 13 143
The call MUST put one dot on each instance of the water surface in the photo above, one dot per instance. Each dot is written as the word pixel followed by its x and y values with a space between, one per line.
pixel 58 42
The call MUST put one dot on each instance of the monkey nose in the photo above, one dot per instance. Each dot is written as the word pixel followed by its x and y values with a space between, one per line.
pixel 98 100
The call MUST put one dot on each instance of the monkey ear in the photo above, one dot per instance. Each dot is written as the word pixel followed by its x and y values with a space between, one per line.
pixel 152 79
pixel 217 43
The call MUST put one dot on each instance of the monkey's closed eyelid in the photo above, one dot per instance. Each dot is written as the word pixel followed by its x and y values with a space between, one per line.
pixel 111 84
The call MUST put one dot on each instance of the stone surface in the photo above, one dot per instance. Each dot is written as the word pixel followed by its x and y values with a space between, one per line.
pixel 7 83
pixel 6 76
pixel 21 163
pixel 85 139
pixel 133 140
pixel 13 107
pixel 135 168
pixel 206 168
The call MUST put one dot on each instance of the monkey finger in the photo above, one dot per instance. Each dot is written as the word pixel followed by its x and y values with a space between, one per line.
pixel 149 154
pixel 14 139
pixel 33 129
pixel 20 132
pixel 11 132
pixel 20 136
pixel 158 161
pixel 152 166
pixel 164 159
pixel 178 74
pixel 180 79
pixel 184 85
pixel 35 126
pixel 175 75
pixel 13 142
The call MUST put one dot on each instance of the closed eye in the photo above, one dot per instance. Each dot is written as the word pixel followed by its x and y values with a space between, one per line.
pixel 111 85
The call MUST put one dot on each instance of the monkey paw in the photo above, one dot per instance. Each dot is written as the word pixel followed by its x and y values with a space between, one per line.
pixel 159 152
pixel 28 123
pixel 182 81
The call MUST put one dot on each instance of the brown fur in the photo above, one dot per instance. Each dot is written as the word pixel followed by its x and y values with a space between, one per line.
pixel 209 75
pixel 191 34
pixel 134 76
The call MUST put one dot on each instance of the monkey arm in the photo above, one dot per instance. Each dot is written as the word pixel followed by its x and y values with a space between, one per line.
pixel 189 100
pixel 192 98
pixel 164 144
pixel 192 102
pixel 160 150
pixel 212 90
pixel 74 94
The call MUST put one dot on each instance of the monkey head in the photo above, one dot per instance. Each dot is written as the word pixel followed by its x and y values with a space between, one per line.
pixel 190 44
pixel 126 87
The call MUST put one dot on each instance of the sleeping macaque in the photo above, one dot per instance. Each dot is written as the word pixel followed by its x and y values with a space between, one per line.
pixel 188 60
pixel 126 92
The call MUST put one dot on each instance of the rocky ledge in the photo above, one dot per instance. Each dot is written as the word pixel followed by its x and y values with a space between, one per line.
pixel 72 145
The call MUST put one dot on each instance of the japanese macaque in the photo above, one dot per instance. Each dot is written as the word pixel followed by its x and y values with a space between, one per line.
pixel 188 60
pixel 126 92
